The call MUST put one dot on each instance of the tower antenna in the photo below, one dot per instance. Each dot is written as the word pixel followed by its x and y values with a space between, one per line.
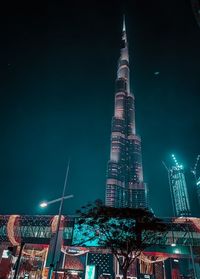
pixel 124 23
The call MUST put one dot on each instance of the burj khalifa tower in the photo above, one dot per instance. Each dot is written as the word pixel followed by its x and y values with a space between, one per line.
pixel 125 186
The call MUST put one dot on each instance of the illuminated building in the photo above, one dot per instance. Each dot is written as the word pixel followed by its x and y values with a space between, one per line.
pixel 125 186
pixel 91 261
pixel 178 188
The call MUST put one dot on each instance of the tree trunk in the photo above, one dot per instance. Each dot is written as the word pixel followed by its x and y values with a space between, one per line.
pixel 138 231
pixel 124 272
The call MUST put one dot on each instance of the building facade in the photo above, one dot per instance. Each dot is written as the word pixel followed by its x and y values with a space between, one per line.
pixel 125 186
pixel 91 261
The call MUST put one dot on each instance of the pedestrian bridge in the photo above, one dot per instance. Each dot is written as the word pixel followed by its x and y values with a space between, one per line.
pixel 180 242
pixel 39 229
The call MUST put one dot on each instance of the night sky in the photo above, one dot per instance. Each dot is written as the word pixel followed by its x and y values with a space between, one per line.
pixel 58 73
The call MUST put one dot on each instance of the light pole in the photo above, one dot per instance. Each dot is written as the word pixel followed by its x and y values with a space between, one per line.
pixel 18 261
pixel 44 204
pixel 191 249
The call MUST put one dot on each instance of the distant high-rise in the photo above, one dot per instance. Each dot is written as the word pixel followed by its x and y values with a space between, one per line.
pixel 125 186
pixel 178 188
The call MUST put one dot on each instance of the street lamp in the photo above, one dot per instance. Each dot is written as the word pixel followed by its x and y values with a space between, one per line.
pixel 45 204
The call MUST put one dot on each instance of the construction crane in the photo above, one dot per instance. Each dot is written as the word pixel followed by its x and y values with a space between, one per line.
pixel 176 162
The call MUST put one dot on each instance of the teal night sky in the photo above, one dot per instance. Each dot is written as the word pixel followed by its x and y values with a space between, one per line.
pixel 57 97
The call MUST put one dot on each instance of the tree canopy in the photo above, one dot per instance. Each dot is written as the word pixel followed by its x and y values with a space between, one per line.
pixel 125 231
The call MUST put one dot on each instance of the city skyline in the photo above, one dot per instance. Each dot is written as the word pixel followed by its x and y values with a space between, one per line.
pixel 58 91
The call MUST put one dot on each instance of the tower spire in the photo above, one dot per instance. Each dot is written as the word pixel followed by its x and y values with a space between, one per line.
pixel 124 36
pixel 123 64
pixel 124 23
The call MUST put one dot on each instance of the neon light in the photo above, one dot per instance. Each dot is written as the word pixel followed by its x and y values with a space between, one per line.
pixel 5 254
pixel 90 272
pixel 177 251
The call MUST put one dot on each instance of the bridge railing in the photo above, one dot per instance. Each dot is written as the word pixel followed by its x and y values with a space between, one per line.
pixel 38 229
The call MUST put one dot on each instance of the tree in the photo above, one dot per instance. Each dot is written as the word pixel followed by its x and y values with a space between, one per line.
pixel 125 231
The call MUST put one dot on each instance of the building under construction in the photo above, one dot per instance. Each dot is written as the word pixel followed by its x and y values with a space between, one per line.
pixel 178 189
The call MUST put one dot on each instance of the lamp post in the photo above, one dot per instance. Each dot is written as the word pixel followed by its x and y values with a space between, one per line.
pixel 18 260
pixel 191 249
pixel 44 204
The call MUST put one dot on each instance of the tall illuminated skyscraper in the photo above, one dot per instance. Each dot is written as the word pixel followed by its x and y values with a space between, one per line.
pixel 125 186
pixel 178 188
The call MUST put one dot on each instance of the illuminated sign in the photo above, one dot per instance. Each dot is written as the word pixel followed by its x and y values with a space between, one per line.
pixel 5 254
pixel 74 251
pixel 90 272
